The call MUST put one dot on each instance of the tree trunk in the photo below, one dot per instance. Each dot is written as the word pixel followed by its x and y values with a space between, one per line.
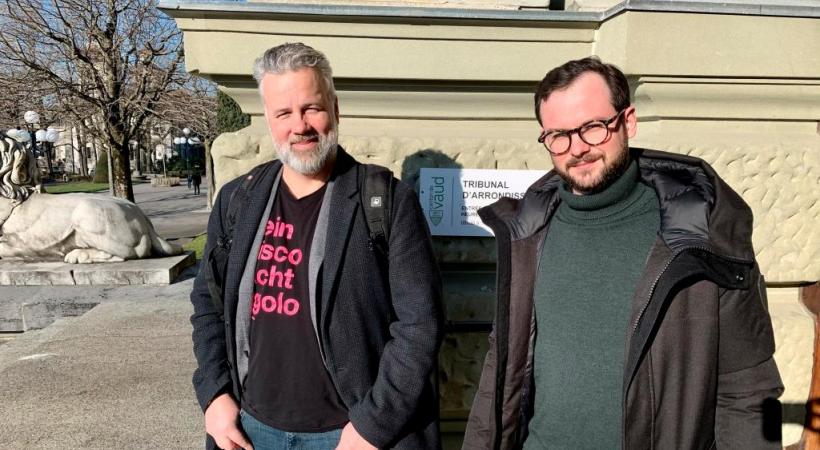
pixel 78 135
pixel 81 162
pixel 83 151
pixel 120 171
pixel 72 149
pixel 110 172
pixel 138 156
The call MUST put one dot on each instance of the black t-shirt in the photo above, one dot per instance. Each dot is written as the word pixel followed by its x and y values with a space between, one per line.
pixel 288 386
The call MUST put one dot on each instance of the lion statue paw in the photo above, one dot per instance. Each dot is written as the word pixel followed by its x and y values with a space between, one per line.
pixel 87 256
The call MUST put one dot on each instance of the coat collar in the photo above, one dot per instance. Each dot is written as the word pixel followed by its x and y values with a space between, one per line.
pixel 253 200
pixel 698 208
pixel 344 203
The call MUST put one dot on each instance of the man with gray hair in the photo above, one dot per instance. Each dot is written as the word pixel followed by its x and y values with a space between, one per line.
pixel 308 332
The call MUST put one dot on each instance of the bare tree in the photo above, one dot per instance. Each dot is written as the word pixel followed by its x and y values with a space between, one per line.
pixel 14 99
pixel 21 91
pixel 78 120
pixel 115 58
pixel 194 106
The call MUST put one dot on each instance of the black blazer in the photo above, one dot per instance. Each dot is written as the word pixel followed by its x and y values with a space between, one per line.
pixel 381 321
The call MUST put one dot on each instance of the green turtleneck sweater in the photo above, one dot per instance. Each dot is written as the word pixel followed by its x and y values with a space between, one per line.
pixel 593 254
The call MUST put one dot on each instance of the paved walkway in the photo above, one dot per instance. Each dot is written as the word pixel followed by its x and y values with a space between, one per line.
pixel 118 376
pixel 177 214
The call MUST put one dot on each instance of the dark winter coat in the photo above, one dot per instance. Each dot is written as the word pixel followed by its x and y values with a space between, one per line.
pixel 381 322
pixel 698 369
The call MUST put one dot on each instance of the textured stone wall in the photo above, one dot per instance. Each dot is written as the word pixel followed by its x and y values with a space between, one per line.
pixel 794 337
pixel 781 182
pixel 467 263
pixel 235 153
pixel 779 179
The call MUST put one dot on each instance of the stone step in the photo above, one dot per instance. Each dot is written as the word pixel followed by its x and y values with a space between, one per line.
pixel 137 271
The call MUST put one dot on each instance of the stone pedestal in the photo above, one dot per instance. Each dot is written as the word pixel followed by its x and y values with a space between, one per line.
pixel 139 271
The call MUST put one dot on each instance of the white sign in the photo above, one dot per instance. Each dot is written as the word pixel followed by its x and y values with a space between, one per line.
pixel 451 198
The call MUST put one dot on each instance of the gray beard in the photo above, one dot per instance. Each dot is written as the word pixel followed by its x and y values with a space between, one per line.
pixel 313 162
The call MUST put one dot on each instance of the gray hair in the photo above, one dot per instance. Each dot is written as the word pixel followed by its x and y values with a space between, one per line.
pixel 293 56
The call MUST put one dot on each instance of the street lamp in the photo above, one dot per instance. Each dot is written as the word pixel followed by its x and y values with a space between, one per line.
pixel 31 117
pixel 134 152
pixel 182 146
pixel 47 138
pixel 178 146
pixel 185 147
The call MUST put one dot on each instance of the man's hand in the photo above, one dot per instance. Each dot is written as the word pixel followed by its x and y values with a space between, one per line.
pixel 352 440
pixel 221 418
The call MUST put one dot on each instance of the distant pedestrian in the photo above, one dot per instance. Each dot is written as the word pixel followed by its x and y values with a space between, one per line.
pixel 190 178
pixel 197 180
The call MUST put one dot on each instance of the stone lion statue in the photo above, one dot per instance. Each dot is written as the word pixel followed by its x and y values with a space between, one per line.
pixel 77 228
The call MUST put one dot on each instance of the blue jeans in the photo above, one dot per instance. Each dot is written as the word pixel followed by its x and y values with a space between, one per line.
pixel 264 437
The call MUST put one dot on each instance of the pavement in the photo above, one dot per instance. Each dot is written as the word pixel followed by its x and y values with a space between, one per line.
pixel 117 377
pixel 115 372
pixel 177 214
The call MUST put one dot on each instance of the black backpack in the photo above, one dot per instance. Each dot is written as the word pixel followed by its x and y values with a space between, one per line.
pixel 376 186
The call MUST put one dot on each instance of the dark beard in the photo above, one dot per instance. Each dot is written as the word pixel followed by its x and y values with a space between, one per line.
pixel 610 175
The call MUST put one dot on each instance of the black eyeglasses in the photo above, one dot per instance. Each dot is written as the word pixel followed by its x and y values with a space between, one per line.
pixel 596 132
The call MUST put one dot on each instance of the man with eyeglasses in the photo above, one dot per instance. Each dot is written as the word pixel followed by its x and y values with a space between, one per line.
pixel 631 311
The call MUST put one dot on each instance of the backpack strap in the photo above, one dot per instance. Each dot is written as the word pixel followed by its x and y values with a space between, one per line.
pixel 377 187
pixel 217 264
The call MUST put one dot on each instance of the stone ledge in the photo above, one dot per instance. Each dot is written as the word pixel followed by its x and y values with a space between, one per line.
pixel 51 273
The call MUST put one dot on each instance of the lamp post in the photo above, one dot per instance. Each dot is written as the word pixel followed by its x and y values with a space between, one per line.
pixel 27 135
pixel 134 151
pixel 47 138
pixel 185 141
pixel 187 154
pixel 193 151
pixel 31 117
pixel 178 145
